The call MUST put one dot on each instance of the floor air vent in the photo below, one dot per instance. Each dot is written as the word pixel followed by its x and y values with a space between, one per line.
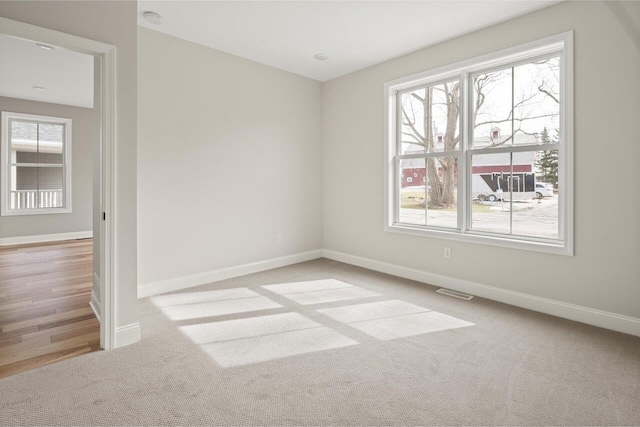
pixel 454 294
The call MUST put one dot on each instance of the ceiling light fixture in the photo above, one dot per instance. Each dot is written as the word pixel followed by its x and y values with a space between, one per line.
pixel 44 46
pixel 40 88
pixel 152 18
pixel 321 56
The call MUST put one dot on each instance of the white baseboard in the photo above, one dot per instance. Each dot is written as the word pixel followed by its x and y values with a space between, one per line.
pixel 95 300
pixel 175 284
pixel 603 319
pixel 128 334
pixel 42 238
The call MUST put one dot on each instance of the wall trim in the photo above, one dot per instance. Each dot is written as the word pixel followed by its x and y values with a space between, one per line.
pixel 128 334
pixel 95 301
pixel 591 316
pixel 42 238
pixel 178 283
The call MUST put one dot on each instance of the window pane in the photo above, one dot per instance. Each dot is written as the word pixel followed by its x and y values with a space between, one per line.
pixel 50 144
pixel 442 192
pixel 429 186
pixel 490 207
pixel 537 103
pixel 33 142
pixel 514 105
pixel 34 187
pixel 50 179
pixel 24 141
pixel 23 193
pixel 492 100
pixel 26 157
pixel 535 214
pixel 412 191
pixel 24 178
pixel 430 118
pixel 33 157
pixel 522 202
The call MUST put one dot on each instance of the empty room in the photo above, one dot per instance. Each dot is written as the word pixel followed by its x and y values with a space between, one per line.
pixel 320 213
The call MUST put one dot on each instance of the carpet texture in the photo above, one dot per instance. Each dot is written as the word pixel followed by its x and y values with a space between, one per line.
pixel 341 346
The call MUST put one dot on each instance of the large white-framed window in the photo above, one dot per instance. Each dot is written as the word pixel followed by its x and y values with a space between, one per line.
pixel 35 164
pixel 491 142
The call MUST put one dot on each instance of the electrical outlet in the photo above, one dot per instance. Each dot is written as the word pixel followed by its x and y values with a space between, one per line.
pixel 280 238
pixel 447 252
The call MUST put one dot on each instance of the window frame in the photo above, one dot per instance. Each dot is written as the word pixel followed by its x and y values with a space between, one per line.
pixel 561 44
pixel 5 164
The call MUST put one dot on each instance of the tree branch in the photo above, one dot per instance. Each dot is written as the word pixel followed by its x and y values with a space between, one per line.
pixel 417 134
pixel 548 93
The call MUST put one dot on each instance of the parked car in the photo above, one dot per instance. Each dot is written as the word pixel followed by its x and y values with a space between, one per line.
pixel 544 190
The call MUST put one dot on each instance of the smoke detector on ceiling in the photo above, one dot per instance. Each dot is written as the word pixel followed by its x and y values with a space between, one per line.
pixel 152 17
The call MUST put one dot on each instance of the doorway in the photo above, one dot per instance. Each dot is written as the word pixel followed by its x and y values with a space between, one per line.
pixel 51 186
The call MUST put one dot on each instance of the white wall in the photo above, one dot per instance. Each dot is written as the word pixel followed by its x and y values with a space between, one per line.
pixel 115 23
pixel 79 219
pixel 229 155
pixel 605 271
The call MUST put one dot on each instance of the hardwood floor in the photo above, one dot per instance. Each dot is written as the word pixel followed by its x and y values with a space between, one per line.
pixel 45 317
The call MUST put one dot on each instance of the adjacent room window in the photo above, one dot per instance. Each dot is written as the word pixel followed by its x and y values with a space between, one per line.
pixel 492 139
pixel 36 164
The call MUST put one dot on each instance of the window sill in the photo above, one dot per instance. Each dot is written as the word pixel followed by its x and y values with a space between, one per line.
pixel 559 248
pixel 27 212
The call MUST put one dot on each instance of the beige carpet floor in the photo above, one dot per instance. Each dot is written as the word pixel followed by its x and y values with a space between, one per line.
pixel 341 346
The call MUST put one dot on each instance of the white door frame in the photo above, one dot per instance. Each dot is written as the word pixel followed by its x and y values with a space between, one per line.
pixel 107 54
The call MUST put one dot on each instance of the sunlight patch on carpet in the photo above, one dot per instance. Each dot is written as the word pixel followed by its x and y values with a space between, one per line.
pixel 168 300
pixel 253 337
pixel 309 286
pixel 227 330
pixel 374 310
pixel 389 320
pixel 260 339
pixel 319 291
pixel 197 305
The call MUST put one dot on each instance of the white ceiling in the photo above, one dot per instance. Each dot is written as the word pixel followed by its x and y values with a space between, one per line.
pixel 66 75
pixel 354 34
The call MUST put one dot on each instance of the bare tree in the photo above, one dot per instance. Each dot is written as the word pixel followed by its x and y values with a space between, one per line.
pixel 441 191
